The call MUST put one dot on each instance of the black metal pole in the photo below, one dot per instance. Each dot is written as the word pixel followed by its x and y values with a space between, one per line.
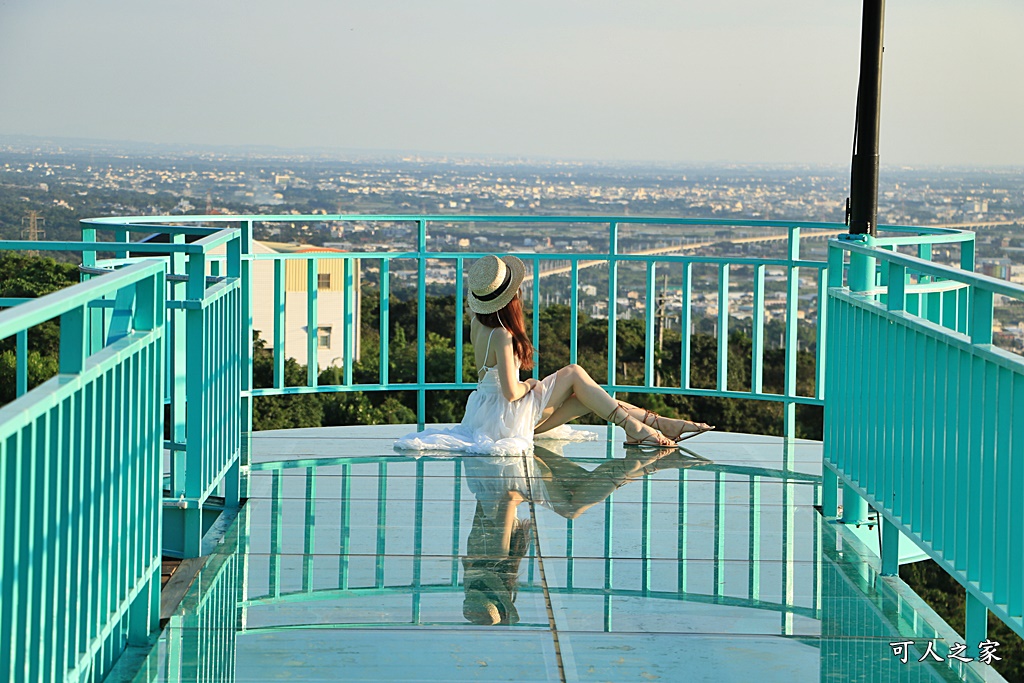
pixel 864 177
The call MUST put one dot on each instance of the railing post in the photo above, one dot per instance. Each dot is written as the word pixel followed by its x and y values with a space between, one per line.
pixel 975 624
pixel 652 304
pixel 685 322
pixel 72 341
pixel 245 266
pixel 21 353
pixel 890 550
pixel 421 323
pixel 829 493
pixel 195 404
pixel 722 379
pixel 280 301
pixel 385 317
pixel 792 306
pixel 535 314
pixel 574 313
pixel 981 315
pixel 835 265
pixel 896 297
pixel 967 262
pixel 176 353
pixel 821 336
pixel 350 322
pixel 861 279
pixel 312 322
pixel 613 287
pixel 95 315
pixel 460 305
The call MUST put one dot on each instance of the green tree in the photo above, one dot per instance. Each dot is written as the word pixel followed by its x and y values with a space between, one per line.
pixel 288 411
pixel 28 276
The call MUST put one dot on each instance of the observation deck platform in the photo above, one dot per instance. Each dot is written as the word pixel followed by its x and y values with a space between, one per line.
pixel 346 563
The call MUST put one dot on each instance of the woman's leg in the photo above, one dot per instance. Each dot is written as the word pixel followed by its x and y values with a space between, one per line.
pixel 555 416
pixel 572 490
pixel 578 393
pixel 559 415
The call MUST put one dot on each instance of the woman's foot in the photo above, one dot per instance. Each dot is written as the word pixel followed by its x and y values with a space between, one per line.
pixel 637 463
pixel 676 430
pixel 638 433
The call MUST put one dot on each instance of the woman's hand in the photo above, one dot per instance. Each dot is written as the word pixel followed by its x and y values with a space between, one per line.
pixel 531 383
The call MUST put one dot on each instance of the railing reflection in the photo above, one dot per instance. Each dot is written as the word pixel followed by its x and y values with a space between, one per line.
pixel 199 642
pixel 395 519
pixel 673 545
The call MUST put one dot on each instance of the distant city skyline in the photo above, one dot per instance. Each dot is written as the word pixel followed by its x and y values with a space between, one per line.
pixel 679 82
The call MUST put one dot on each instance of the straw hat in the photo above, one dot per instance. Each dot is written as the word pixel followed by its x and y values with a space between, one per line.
pixel 493 282
pixel 488 601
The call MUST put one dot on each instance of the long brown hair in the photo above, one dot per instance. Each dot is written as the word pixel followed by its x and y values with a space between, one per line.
pixel 512 319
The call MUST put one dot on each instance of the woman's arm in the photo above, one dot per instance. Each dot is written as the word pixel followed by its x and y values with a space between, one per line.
pixel 508 374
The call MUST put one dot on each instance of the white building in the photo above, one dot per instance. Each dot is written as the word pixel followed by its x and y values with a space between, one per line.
pixel 330 304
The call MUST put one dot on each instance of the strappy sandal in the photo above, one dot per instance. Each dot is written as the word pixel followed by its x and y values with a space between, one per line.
pixel 649 441
pixel 682 436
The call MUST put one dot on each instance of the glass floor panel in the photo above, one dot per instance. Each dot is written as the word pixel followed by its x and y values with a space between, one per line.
pixel 351 561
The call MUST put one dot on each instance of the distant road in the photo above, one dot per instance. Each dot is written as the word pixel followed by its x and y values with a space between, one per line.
pixel 692 246
pixel 988 224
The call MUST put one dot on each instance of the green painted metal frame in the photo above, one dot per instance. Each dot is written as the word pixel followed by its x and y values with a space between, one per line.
pixel 208 323
pixel 80 484
pixel 420 224
pixel 209 362
pixel 939 457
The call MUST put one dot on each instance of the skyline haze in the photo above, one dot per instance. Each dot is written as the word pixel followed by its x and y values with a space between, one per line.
pixel 660 82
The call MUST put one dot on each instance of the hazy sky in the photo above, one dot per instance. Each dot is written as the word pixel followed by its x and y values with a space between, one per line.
pixel 678 81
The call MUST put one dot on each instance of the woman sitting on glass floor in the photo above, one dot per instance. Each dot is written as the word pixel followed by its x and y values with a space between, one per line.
pixel 503 414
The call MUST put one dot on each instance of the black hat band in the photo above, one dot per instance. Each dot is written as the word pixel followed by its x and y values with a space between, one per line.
pixel 500 288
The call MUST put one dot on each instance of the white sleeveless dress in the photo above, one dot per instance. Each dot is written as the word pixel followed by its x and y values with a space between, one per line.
pixel 493 425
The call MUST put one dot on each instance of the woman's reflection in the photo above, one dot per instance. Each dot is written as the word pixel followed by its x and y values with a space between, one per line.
pixel 499 539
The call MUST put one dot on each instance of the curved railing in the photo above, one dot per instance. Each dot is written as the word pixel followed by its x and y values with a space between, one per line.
pixel 285 269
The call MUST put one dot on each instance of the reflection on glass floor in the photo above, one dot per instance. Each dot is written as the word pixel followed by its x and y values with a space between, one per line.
pixel 353 562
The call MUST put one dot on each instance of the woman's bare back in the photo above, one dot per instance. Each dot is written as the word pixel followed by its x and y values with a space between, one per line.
pixel 483 338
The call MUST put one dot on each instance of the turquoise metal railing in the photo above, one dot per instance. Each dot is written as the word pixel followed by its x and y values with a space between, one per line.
pixel 206 359
pixel 209 380
pixel 612 258
pixel 924 419
pixel 205 366
pixel 80 483
pixel 681 266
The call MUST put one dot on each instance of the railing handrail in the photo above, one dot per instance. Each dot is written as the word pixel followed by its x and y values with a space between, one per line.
pixel 50 306
pixel 924 267
pixel 138 223
pixel 580 257
pixel 93 247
